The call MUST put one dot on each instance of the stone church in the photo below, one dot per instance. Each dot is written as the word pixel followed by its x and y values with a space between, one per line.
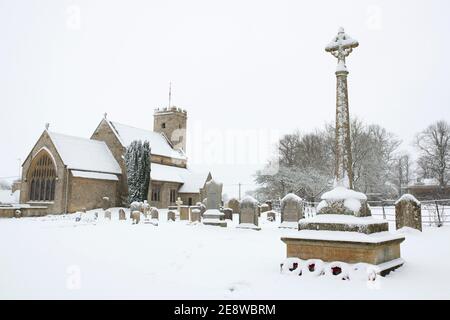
pixel 67 174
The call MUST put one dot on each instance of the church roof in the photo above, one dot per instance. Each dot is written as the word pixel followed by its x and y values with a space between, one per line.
pixel 192 181
pixel 85 154
pixel 158 143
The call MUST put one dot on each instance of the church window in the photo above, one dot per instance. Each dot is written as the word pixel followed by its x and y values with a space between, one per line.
pixel 173 195
pixel 42 178
pixel 156 194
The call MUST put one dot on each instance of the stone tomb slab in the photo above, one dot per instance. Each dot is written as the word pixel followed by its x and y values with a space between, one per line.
pixel 213 217
pixel 381 249
pixel 339 222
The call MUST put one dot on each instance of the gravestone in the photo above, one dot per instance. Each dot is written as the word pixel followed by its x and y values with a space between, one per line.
pixel 146 208
pixel 196 215
pixel 170 216
pixel 248 218
pixel 154 213
pixel 234 205
pixel 122 215
pixel 214 195
pixel 269 203
pixel 271 215
pixel 264 208
pixel 108 214
pixel 106 203
pixel 228 212
pixel 212 215
pixel 136 217
pixel 184 213
pixel 408 212
pixel 291 211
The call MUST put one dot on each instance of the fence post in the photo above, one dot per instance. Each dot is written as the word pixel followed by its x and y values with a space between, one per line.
pixel 438 214
pixel 384 213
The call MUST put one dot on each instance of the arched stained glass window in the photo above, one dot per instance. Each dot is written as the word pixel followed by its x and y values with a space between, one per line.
pixel 42 178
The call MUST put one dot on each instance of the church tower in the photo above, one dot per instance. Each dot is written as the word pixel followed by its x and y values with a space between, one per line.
pixel 172 123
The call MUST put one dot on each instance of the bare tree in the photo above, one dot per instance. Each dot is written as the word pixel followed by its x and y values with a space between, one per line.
pixel 288 148
pixel 4 185
pixel 433 144
pixel 401 172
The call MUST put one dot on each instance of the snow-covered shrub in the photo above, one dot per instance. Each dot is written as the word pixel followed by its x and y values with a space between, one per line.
pixel 136 206
pixel 137 161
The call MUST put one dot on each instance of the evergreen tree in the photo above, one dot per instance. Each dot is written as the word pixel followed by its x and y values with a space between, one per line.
pixel 137 161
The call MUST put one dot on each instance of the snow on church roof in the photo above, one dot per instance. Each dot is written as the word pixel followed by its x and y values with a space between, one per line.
pixel 158 143
pixel 192 181
pixel 85 154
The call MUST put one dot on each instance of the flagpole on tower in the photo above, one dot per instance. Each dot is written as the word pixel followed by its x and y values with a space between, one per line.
pixel 170 94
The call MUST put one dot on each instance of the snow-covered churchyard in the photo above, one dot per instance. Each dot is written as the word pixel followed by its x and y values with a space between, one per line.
pixel 59 257
pixel 92 237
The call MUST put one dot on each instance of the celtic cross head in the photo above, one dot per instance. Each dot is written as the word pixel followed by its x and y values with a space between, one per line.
pixel 341 46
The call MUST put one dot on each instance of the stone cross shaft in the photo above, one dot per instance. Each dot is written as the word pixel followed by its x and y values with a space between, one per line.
pixel 179 202
pixel 340 47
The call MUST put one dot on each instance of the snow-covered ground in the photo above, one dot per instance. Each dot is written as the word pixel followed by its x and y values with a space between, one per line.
pixel 57 257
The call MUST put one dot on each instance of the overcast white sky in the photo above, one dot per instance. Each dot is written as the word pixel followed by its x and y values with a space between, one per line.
pixel 234 65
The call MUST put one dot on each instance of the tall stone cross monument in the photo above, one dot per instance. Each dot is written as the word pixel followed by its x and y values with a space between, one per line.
pixel 340 47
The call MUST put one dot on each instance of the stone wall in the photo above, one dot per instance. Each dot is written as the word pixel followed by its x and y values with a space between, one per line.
pixel 105 133
pixel 172 123
pixel 168 161
pixel 164 194
pixel 58 205
pixel 88 193
pixel 194 196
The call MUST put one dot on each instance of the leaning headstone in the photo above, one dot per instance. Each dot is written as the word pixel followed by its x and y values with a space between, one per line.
pixel 408 212
pixel 228 212
pixel 213 216
pixel 136 217
pixel 234 205
pixel 170 216
pixel 248 218
pixel 291 211
pixel 122 215
pixel 106 203
pixel 108 214
pixel 271 215
pixel 196 215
